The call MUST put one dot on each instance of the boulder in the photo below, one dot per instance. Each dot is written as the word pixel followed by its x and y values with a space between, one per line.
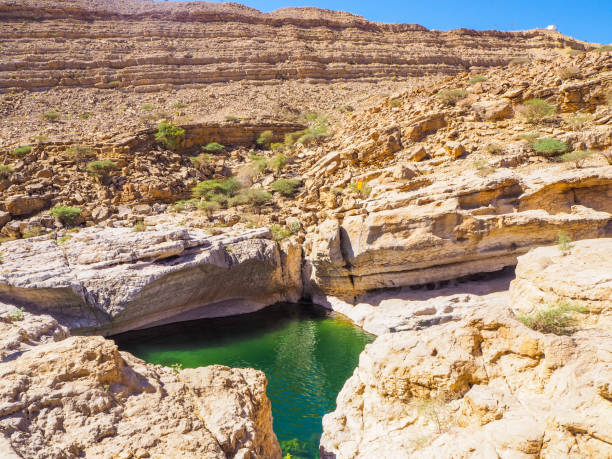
pixel 493 110
pixel 24 205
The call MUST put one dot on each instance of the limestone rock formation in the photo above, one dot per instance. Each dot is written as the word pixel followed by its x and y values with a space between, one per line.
pixel 79 396
pixel 486 386
pixel 115 279
pixel 579 273
pixel 454 227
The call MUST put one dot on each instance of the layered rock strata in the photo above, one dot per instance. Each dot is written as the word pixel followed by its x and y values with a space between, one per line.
pixel 454 227
pixel 147 45
pixel 487 386
pixel 110 280
pixel 64 396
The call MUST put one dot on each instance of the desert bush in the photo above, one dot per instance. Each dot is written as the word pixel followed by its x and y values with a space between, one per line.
pixel 259 163
pixel 568 73
pixel 577 157
pixel 318 128
pixel 16 315
pixel 5 171
pixel 286 187
pixel 179 105
pixel 66 214
pixel 578 121
pixel 604 49
pixel 22 150
pixel 101 168
pixel 549 147
pixel 535 110
pixel 32 231
pixel 258 197
pixel 183 205
pixel 276 146
pixel 208 188
pixel 495 149
pixel 361 188
pixel 80 152
pixel 50 116
pixel 200 160
pixel 209 207
pixel 395 102
pixel 265 138
pixel 280 232
pixel 213 147
pixel 564 243
pixel 114 84
pixel 346 109
pixel 478 79
pixel 529 137
pixel 168 134
pixel 278 162
pixel 147 107
pixel 231 118
pixel 84 116
pixel 139 227
pixel 556 319
pixel 451 96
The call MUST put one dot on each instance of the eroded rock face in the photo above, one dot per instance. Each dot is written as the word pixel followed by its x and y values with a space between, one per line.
pixel 486 385
pixel 80 396
pixel 454 227
pixel 579 274
pixel 114 279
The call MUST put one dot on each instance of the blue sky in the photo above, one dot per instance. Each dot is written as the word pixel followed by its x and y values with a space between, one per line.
pixel 589 20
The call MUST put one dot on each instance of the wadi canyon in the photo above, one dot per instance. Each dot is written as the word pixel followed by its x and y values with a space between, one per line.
pixel 448 192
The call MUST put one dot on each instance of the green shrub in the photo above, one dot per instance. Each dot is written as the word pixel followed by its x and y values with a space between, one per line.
pixel 451 96
pixel 318 128
pixel 22 150
pixel 258 197
pixel 5 171
pixel 114 84
pixel 395 102
pixel 201 159
pixel 549 147
pixel 278 162
pixel 534 110
pixel 207 188
pixel 101 168
pixel 139 227
pixel 564 243
pixel 239 199
pixel 80 152
pixel 179 105
pixel 295 449
pixel 557 319
pixel 168 134
pixel 209 207
pixel 286 187
pixel 276 146
pixel 478 79
pixel 213 147
pixel 577 157
pixel 66 214
pixel 231 118
pixel 32 231
pixel 604 49
pixel 50 116
pixel 147 107
pixel 16 315
pixel 578 121
pixel 84 116
pixel 265 138
pixel 183 205
pixel 259 163
pixel 280 232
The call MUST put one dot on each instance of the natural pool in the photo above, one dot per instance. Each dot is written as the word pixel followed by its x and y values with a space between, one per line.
pixel 306 353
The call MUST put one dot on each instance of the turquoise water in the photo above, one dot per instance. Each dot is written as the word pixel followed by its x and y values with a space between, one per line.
pixel 306 353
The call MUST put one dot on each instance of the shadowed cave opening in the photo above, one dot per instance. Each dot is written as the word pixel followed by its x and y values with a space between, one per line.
pixel 306 351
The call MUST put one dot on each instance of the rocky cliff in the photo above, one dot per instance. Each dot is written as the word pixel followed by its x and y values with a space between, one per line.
pixel 489 386
pixel 64 397
pixel 115 279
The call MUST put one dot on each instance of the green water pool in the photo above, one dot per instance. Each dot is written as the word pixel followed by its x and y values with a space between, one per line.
pixel 306 353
